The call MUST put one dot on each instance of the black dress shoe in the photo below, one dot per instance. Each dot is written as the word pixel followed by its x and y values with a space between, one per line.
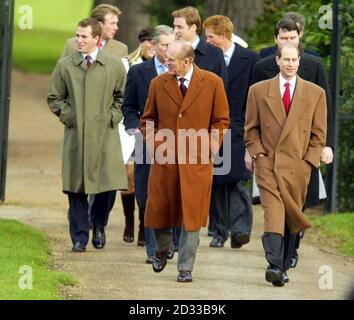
pixel 160 261
pixel 285 277
pixel 78 247
pixel 275 276
pixel 237 241
pixel 216 243
pixel 171 252
pixel 149 260
pixel 294 261
pixel 210 233
pixel 184 276
pixel 98 238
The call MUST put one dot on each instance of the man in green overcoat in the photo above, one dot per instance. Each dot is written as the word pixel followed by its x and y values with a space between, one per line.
pixel 85 92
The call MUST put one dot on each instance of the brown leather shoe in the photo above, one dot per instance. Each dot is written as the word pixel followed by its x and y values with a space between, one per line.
pixel 184 276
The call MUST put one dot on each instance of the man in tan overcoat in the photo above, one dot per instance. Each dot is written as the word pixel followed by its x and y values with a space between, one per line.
pixel 179 187
pixel 86 93
pixel 108 17
pixel 285 133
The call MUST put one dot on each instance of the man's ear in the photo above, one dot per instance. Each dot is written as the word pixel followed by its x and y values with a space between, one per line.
pixel 277 59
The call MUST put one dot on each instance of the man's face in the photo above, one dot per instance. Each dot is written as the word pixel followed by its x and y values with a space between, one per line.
pixel 175 64
pixel 214 39
pixel 110 26
pixel 183 31
pixel 85 43
pixel 161 47
pixel 285 36
pixel 288 62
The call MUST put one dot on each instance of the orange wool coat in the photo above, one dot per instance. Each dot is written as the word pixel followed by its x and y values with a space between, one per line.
pixel 292 145
pixel 181 191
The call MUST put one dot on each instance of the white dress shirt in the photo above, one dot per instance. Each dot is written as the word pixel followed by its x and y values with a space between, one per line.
pixel 188 77
pixel 160 67
pixel 228 54
pixel 195 43
pixel 282 82
pixel 93 55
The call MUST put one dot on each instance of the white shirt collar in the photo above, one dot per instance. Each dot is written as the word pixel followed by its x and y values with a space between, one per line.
pixel 228 54
pixel 195 43
pixel 282 81
pixel 188 76
pixel 93 55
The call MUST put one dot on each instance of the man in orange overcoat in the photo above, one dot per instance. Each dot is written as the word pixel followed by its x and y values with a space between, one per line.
pixel 285 133
pixel 188 106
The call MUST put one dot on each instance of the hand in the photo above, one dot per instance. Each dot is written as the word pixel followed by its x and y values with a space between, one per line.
pixel 327 155
pixel 249 162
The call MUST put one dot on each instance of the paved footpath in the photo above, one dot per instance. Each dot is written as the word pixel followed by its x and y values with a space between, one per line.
pixel 119 271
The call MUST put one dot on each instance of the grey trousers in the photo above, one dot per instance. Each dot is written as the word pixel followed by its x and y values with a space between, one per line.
pixel 188 244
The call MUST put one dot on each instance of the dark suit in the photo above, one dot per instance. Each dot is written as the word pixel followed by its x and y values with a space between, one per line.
pixel 233 185
pixel 210 58
pixel 310 69
pixel 270 51
pixel 136 92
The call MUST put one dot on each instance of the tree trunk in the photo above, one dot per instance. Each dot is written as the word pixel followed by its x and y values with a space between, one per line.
pixel 131 21
pixel 242 13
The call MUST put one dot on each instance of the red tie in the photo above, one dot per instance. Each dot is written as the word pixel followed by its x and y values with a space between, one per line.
pixel 182 86
pixel 88 60
pixel 286 97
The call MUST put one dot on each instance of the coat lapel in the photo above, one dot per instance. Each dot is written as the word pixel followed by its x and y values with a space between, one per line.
pixel 237 63
pixel 274 101
pixel 149 71
pixel 297 108
pixel 193 90
pixel 173 90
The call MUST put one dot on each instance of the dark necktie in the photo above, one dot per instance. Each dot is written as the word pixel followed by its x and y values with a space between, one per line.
pixel 286 98
pixel 182 86
pixel 88 60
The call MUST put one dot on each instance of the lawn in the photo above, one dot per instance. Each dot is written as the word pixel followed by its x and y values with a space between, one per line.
pixel 38 49
pixel 22 246
pixel 336 231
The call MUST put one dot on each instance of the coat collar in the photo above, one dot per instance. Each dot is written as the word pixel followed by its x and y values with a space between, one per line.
pixel 297 108
pixel 78 59
pixel 238 62
pixel 149 70
pixel 194 88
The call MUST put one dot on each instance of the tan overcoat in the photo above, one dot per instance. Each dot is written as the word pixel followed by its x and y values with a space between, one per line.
pixel 292 144
pixel 181 191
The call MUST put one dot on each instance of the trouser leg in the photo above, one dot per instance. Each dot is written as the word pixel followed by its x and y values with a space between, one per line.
pixel 101 208
pixel 219 209
pixel 78 220
pixel 149 237
pixel 188 244
pixel 273 245
pixel 163 239
pixel 240 212
pixel 289 247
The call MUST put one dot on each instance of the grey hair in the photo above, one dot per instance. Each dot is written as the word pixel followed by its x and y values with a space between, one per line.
pixel 159 31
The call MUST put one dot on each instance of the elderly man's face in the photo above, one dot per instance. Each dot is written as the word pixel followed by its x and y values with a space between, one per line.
pixel 176 65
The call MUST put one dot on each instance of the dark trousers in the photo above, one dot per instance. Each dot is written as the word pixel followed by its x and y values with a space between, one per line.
pixel 278 249
pixel 231 207
pixel 79 224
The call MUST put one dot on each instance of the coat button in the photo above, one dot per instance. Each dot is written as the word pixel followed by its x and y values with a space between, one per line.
pixel 275 170
pixel 180 115
pixel 278 150
pixel 292 171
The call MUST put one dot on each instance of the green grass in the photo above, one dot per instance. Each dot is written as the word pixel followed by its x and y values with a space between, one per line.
pixel 23 246
pixel 336 230
pixel 60 15
pixel 41 53
pixel 37 50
